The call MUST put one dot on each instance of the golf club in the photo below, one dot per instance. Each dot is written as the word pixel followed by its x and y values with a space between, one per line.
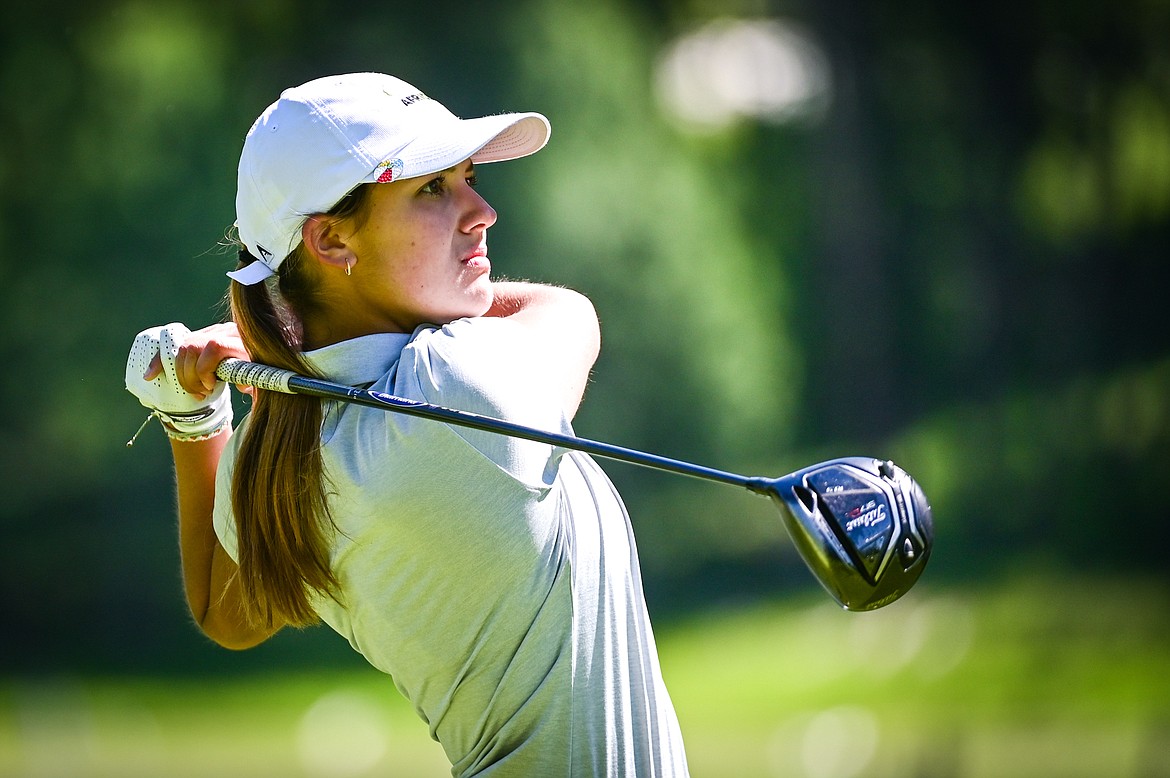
pixel 862 525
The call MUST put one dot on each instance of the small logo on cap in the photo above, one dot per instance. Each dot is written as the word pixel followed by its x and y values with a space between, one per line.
pixel 409 99
pixel 391 169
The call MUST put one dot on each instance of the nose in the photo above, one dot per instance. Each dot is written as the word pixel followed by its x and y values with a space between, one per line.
pixel 480 215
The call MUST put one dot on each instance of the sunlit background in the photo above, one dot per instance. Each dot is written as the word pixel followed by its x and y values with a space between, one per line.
pixel 926 231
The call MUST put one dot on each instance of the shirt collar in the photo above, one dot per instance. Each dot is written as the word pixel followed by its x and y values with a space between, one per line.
pixel 361 360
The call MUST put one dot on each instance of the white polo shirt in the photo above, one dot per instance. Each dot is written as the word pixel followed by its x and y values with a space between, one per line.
pixel 495 580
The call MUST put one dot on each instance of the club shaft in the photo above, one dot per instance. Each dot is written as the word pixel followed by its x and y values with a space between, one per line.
pixel 261 376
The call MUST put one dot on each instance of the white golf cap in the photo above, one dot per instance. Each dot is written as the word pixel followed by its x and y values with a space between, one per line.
pixel 322 139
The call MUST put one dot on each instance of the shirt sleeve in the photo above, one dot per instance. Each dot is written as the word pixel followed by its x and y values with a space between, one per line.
pixel 223 520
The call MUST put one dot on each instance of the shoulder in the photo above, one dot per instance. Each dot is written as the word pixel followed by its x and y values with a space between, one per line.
pixel 475 365
pixel 481 365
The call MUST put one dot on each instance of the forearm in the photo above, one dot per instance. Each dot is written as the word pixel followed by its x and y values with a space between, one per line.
pixel 512 297
pixel 195 465
pixel 209 574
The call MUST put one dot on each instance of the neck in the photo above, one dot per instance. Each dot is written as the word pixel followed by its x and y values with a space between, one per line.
pixel 340 317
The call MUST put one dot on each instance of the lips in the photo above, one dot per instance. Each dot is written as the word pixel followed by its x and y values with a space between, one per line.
pixel 477 258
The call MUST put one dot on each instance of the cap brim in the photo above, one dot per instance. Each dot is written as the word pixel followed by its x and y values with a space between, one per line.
pixel 523 134
pixel 253 273
pixel 486 139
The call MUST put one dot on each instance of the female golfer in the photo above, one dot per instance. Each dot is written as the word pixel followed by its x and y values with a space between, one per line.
pixel 495 580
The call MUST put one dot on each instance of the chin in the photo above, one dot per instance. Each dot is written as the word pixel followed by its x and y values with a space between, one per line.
pixel 483 300
pixel 474 308
pixel 487 303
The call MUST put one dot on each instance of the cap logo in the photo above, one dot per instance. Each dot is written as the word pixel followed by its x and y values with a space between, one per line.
pixel 409 99
pixel 391 169
pixel 265 254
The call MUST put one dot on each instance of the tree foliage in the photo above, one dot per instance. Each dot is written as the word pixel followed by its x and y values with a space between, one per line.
pixel 960 261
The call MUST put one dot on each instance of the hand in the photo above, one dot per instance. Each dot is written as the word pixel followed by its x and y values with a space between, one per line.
pixel 172 371
pixel 199 355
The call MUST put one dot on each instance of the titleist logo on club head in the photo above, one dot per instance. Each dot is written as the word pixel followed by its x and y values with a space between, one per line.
pixel 867 516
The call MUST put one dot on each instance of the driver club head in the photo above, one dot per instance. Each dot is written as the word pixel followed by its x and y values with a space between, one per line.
pixel 862 525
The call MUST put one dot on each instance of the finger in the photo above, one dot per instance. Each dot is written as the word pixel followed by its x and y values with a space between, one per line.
pixel 187 371
pixel 209 359
pixel 154 369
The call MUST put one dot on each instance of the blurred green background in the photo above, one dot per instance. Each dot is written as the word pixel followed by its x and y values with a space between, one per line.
pixel 932 232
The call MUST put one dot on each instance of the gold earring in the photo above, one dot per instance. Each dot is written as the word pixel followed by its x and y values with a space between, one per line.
pixel 347 265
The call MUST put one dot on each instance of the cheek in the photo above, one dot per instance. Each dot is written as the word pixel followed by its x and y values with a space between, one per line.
pixel 425 252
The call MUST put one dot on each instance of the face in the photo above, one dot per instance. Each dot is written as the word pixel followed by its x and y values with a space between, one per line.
pixel 420 253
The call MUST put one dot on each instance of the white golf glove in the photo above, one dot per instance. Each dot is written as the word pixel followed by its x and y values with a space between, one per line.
pixel 184 416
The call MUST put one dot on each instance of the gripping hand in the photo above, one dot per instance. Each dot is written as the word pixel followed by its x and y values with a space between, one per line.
pixel 185 416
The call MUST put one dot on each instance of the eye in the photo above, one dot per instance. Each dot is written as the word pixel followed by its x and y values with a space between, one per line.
pixel 472 180
pixel 434 187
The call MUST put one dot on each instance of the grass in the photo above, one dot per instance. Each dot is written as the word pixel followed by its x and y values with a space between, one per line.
pixel 1052 678
pixel 1038 678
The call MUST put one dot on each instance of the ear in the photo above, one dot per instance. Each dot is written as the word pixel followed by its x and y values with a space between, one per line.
pixel 326 243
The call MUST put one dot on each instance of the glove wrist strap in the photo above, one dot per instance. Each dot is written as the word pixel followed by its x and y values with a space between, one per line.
pixel 192 437
pixel 167 422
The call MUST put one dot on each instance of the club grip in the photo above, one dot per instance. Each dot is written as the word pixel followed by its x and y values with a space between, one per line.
pixel 241 373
